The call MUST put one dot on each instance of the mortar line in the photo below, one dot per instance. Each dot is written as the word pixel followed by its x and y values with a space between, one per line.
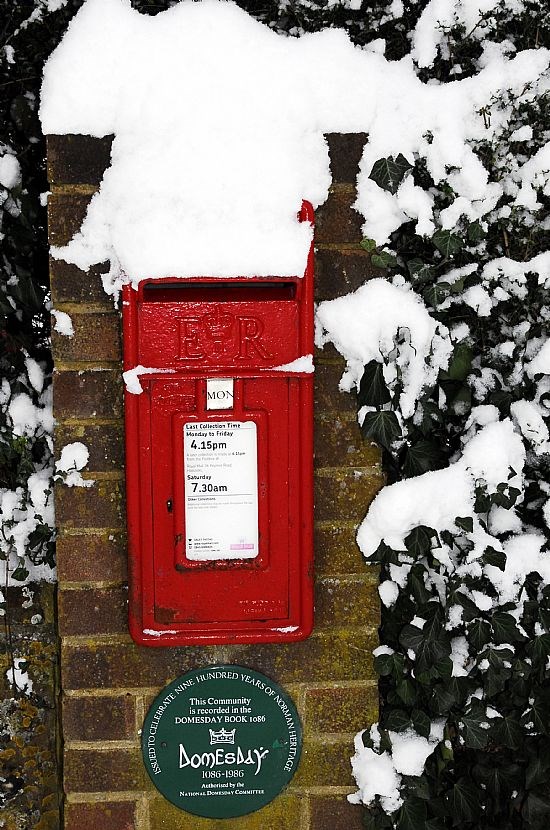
pixel 100 797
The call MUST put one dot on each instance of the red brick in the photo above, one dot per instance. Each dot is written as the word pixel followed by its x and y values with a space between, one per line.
pixel 325 764
pixel 71 285
pixel 338 272
pixel 338 442
pixel 93 611
pixel 94 770
pixel 105 443
pixel 125 665
pixel 101 505
pixel 96 339
pixel 66 212
pixel 91 558
pixel 77 159
pixel 336 221
pixel 335 813
pixel 336 550
pixel 104 815
pixel 283 813
pixel 99 718
pixel 345 151
pixel 344 495
pixel 341 709
pixel 327 395
pixel 346 602
pixel 91 393
pixel 340 655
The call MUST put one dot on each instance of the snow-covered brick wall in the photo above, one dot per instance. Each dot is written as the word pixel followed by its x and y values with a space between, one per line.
pixel 212 184
pixel 106 677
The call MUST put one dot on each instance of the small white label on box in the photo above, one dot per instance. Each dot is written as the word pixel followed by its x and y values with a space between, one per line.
pixel 219 393
pixel 221 490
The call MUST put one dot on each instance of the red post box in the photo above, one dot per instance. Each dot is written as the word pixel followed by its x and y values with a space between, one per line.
pixel 219 459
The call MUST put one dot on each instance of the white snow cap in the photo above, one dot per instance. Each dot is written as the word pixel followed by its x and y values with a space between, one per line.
pixel 131 377
pixel 73 458
pixel 364 324
pixel 63 323
pixel 219 134
pixel 10 170
pixel 436 499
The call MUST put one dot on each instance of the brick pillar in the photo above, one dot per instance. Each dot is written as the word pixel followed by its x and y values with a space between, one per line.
pixel 107 681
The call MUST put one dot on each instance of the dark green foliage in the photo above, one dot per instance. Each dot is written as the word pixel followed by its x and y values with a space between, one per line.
pixel 491 770
pixel 389 173
pixel 373 390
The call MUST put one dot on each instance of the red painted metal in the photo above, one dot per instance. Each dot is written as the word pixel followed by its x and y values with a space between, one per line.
pixel 191 329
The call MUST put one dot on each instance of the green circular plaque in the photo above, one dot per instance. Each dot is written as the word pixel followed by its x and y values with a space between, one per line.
pixel 221 741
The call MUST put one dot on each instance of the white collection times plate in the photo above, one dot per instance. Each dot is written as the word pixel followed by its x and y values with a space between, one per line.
pixel 221 490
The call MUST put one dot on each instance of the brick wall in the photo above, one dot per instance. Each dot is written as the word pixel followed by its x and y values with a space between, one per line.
pixel 107 681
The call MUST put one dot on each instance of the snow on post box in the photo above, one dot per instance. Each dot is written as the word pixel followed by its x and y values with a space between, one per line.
pixel 219 458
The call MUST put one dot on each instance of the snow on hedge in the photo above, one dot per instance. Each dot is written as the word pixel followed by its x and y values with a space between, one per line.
pixel 218 129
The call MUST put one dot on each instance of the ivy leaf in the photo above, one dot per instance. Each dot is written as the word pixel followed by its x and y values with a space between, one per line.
pixel 479 634
pixel 505 628
pixel 475 232
pixel 412 815
pixel 420 272
pixel 499 780
pixel 449 694
pixel 370 821
pixel 388 172
pixel 383 553
pixel 539 648
pixel 417 585
pixel 373 390
pixel 421 722
pixel 446 242
pixel 437 293
pixel 406 691
pixel 383 664
pixel 386 664
pixel 421 457
pixel 502 400
pixel 465 523
pixel 461 363
pixel 20 573
pixel 497 558
pixel 495 681
pixel 383 260
pixel 536 811
pixel 540 715
pixel 368 244
pixel 463 801
pixel 508 731
pixel 474 734
pixel 482 502
pixel 411 637
pixel 536 773
pixel 383 427
pixel 397 721
pixel 419 541
pixel 430 644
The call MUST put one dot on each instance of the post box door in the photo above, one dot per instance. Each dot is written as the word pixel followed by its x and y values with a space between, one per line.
pixel 220 592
